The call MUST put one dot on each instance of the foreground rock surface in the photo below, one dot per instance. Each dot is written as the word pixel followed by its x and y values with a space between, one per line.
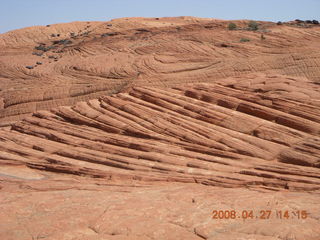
pixel 79 210
pixel 153 163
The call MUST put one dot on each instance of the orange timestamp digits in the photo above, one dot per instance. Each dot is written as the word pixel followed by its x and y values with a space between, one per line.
pixel 262 214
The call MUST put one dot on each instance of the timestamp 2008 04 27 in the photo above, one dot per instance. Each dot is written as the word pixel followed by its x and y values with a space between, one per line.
pixel 262 214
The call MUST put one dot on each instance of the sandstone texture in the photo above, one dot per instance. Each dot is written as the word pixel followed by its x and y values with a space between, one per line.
pixel 86 60
pixel 141 128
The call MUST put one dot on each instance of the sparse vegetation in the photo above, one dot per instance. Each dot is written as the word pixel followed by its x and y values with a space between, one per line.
pixel 224 45
pixel 43 47
pixel 302 22
pixel 63 41
pixel 253 26
pixel 244 40
pixel 303 25
pixel 109 34
pixel 85 34
pixel 232 26
pixel 30 67
pixel 143 30
pixel 39 54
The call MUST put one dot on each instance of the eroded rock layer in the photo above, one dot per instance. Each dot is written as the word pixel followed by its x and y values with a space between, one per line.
pixel 247 132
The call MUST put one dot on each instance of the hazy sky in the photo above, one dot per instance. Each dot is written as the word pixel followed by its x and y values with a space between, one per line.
pixel 23 13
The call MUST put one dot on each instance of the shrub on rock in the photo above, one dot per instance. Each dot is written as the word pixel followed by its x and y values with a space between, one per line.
pixel 253 26
pixel 244 40
pixel 232 26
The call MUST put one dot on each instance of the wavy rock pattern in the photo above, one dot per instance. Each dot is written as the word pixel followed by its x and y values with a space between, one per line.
pixel 104 58
pixel 247 132
pixel 142 127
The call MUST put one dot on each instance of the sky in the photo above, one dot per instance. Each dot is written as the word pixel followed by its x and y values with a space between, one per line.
pixel 16 14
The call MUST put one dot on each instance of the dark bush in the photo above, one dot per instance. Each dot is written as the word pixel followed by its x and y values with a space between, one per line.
pixel 232 26
pixel 244 40
pixel 29 67
pixel 109 34
pixel 143 30
pixel 63 41
pixel 43 47
pixel 39 63
pixel 309 22
pixel 224 45
pixel 53 35
pixel 279 23
pixel 37 54
pixel 253 26
pixel 315 22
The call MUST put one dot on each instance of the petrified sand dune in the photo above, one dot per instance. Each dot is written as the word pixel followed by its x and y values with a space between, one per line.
pixel 142 158
pixel 252 131
pixel 140 128
pixel 81 61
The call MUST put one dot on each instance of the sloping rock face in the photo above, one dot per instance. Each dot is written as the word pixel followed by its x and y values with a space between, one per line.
pixel 86 60
pixel 158 129
pixel 237 132
pixel 154 163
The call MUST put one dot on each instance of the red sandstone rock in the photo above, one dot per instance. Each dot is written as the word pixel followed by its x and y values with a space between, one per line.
pixel 180 140
pixel 111 59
